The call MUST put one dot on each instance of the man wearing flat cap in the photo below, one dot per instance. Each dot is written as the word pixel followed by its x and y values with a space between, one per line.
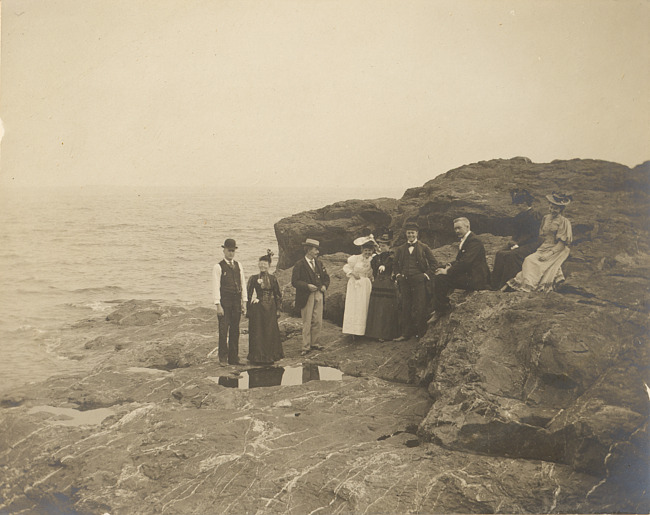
pixel 230 298
pixel 414 268
pixel 310 279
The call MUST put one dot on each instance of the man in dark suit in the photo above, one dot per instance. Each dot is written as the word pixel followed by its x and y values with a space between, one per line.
pixel 310 279
pixel 230 298
pixel 414 268
pixel 468 272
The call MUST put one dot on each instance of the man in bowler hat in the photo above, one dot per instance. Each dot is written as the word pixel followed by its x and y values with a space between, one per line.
pixel 414 268
pixel 229 293
pixel 310 279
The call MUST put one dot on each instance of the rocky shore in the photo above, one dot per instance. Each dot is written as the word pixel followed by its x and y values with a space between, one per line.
pixel 514 403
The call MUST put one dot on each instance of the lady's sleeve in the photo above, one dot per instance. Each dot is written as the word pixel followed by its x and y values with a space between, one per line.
pixel 564 231
pixel 277 291
pixel 251 286
pixel 374 264
pixel 348 268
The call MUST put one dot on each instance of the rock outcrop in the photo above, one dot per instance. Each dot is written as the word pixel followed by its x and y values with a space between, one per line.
pixel 154 427
pixel 609 213
pixel 559 377
pixel 334 226
pixel 549 378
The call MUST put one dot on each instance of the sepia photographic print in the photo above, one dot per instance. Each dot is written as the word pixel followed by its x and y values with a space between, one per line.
pixel 324 256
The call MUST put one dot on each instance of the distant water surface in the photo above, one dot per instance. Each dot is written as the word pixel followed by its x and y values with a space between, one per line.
pixel 65 254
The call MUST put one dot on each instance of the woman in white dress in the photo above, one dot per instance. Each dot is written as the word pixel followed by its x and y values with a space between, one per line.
pixel 542 270
pixel 357 296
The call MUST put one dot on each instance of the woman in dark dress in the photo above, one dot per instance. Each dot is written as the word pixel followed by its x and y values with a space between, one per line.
pixel 264 300
pixel 382 310
pixel 508 262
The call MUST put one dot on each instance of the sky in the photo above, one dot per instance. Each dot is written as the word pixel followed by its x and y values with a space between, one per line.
pixel 350 93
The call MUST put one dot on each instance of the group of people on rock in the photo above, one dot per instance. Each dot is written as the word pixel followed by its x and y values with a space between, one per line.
pixel 391 294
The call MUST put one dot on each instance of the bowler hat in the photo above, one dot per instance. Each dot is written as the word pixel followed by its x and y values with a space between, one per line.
pixel 229 244
pixel 521 197
pixel 385 236
pixel 411 226
pixel 559 199
pixel 309 242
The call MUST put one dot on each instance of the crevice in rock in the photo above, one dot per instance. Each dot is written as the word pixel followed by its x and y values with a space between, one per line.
pixel 169 366
pixel 11 403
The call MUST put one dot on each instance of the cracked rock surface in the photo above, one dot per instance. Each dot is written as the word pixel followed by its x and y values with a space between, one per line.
pixel 148 429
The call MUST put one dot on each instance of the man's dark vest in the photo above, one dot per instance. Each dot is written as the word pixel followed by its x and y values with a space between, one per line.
pixel 230 279
pixel 411 263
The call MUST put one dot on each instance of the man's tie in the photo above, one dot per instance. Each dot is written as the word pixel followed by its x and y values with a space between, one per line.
pixel 312 265
pixel 411 247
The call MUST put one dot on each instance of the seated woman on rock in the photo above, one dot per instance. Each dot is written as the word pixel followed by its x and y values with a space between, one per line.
pixel 542 270
pixel 357 296
pixel 264 301
pixel 525 237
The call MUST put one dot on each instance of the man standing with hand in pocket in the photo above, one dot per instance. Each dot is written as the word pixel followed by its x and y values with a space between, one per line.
pixel 310 279
pixel 230 297
pixel 414 268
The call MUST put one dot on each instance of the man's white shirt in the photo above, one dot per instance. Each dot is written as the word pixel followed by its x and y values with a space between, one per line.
pixel 462 240
pixel 216 283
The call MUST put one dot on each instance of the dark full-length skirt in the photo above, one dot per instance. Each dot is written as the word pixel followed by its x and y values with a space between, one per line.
pixel 382 310
pixel 507 264
pixel 264 344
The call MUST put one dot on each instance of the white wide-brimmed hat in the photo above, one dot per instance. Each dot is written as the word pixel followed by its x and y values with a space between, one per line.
pixel 362 240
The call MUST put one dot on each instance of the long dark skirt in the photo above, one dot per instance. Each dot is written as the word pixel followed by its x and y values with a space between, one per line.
pixel 382 310
pixel 264 345
pixel 507 264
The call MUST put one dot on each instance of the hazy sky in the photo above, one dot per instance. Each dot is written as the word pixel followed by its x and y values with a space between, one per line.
pixel 301 92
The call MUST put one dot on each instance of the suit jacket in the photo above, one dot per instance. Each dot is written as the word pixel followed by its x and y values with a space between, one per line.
pixel 303 275
pixel 426 262
pixel 470 267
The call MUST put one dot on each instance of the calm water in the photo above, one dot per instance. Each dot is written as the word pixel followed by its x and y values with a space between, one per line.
pixel 65 254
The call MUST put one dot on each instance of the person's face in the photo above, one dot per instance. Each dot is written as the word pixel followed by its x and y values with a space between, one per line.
pixel 366 252
pixel 460 229
pixel 411 235
pixel 554 210
pixel 229 254
pixel 312 252
pixel 384 247
pixel 263 265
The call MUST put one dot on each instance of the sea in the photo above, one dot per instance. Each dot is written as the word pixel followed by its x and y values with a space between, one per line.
pixel 70 254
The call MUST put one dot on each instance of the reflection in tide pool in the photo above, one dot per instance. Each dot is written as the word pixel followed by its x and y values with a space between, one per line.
pixel 279 376
pixel 74 417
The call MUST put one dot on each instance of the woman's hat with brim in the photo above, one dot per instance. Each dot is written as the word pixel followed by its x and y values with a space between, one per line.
pixel 229 244
pixel 309 242
pixel 362 240
pixel 559 199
